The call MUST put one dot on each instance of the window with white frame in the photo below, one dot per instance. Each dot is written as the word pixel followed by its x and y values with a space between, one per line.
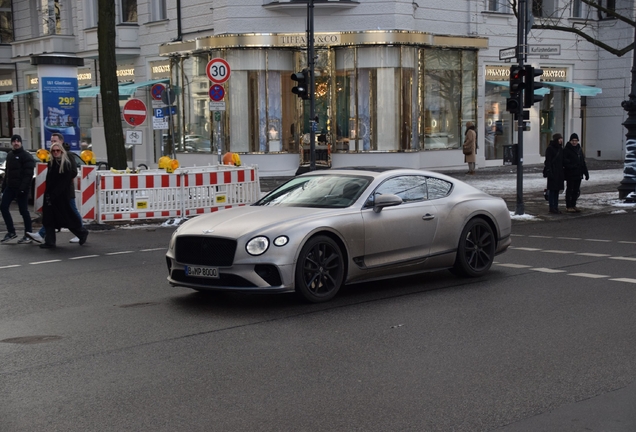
pixel 501 6
pixel 90 13
pixel 158 10
pixel 128 11
pixel 543 8
pixel 609 5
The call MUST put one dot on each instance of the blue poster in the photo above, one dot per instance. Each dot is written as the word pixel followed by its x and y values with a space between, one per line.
pixel 60 104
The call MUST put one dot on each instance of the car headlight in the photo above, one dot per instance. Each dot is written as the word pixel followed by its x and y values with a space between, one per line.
pixel 281 241
pixel 257 246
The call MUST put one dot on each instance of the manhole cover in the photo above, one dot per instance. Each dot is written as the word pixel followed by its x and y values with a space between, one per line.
pixel 29 340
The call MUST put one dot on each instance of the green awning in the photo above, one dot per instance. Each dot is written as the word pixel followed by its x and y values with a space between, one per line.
pixel 130 89
pixel 9 96
pixel 88 92
pixel 581 89
pixel 539 92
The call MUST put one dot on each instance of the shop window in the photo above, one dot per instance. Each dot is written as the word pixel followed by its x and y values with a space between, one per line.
pixel 128 11
pixel 498 128
pixel 449 97
pixel 553 116
pixel 6 22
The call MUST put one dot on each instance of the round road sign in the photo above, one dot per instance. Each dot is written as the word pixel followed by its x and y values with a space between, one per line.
pixel 218 70
pixel 135 112
pixel 156 91
pixel 217 92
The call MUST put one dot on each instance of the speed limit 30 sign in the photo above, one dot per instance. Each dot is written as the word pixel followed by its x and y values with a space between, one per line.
pixel 218 70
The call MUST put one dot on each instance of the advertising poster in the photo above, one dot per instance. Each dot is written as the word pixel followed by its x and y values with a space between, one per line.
pixel 60 110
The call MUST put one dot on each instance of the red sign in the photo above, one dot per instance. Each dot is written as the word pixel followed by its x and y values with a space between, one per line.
pixel 135 112
pixel 156 91
pixel 218 70
pixel 217 92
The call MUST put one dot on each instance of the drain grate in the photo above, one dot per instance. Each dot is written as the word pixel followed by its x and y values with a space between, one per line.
pixel 30 340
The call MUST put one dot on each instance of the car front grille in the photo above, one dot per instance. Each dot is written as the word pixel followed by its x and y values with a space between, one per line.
pixel 205 251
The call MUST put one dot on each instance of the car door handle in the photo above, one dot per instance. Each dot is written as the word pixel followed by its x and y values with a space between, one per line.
pixel 428 216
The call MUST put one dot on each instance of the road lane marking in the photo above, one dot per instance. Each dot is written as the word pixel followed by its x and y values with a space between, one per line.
pixel 548 270
pixel 154 249
pixel 569 238
pixel 44 262
pixel 119 253
pixel 628 280
pixel 82 257
pixel 590 254
pixel 588 275
pixel 623 258
pixel 525 249
pixel 628 242
pixel 540 236
pixel 10 266
pixel 514 265
pixel 559 252
pixel 599 240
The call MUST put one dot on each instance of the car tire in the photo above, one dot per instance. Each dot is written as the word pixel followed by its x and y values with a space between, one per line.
pixel 319 270
pixel 476 249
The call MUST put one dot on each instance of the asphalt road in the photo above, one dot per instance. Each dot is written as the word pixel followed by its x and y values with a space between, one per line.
pixel 544 342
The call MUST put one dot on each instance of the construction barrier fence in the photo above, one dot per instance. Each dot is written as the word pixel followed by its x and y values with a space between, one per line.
pixel 154 194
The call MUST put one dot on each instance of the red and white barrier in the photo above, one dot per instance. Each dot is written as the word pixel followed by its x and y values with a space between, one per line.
pixel 40 186
pixel 154 194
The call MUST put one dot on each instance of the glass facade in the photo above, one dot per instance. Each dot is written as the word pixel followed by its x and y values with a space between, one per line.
pixel 382 98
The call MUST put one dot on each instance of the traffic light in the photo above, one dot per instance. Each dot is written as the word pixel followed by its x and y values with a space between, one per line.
pixel 516 81
pixel 529 98
pixel 512 105
pixel 302 87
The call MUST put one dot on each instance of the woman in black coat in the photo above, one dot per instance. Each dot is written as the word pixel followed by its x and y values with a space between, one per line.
pixel 575 169
pixel 57 210
pixel 553 170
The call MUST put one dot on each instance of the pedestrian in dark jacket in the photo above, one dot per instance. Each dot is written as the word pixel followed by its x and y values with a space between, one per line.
pixel 575 169
pixel 16 185
pixel 57 211
pixel 553 171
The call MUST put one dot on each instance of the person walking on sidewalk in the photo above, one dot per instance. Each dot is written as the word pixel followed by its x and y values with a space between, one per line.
pixel 41 234
pixel 553 171
pixel 470 147
pixel 57 211
pixel 575 169
pixel 16 185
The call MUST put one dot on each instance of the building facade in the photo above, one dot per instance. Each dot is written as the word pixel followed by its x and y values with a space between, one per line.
pixel 396 81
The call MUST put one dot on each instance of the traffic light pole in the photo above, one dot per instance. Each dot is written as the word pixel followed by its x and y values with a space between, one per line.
pixel 312 84
pixel 521 53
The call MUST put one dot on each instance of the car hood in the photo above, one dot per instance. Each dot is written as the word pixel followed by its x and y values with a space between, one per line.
pixel 236 222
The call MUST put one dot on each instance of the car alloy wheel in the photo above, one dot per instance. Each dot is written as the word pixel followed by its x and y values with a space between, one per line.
pixel 476 250
pixel 319 270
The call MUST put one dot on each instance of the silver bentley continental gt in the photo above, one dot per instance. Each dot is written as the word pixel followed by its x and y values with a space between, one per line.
pixel 323 229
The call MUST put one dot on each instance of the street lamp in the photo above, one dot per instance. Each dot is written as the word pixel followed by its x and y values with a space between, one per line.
pixel 628 184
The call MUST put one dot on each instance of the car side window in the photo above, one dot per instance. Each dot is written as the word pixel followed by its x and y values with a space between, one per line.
pixel 438 188
pixel 410 188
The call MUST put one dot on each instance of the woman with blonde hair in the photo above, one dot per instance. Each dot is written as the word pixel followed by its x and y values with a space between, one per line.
pixel 57 211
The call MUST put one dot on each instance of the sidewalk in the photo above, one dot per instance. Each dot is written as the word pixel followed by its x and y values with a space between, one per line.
pixel 598 195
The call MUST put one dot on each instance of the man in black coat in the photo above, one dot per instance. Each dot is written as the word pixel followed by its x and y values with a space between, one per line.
pixel 574 168
pixel 553 171
pixel 16 185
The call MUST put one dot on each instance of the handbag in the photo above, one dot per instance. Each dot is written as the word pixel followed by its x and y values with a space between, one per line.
pixel 466 149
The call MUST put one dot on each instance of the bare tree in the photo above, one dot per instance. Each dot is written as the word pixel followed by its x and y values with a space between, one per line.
pixel 557 19
pixel 109 90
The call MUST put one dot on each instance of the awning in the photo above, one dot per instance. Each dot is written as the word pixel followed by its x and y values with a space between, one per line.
pixel 581 89
pixel 9 96
pixel 125 89
pixel 539 92
pixel 130 89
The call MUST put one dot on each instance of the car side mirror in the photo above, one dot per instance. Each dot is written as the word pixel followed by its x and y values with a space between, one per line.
pixel 385 200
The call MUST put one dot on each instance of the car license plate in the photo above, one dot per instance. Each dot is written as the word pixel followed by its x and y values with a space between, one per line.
pixel 203 272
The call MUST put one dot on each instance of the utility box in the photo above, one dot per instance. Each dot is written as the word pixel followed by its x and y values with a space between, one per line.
pixel 510 154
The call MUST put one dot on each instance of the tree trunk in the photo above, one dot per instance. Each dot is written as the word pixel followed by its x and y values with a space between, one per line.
pixel 109 88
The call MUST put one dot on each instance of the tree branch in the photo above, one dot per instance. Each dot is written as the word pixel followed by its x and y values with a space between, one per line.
pixel 609 12
pixel 615 51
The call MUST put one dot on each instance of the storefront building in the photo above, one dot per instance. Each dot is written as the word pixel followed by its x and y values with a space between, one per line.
pixel 381 97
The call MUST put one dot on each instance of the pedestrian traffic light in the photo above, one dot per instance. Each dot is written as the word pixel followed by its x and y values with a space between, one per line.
pixel 516 81
pixel 529 98
pixel 302 87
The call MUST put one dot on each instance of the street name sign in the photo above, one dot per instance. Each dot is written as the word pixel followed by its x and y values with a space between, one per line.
pixel 541 50
pixel 507 53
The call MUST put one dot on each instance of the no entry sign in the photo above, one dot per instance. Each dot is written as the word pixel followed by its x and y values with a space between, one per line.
pixel 218 70
pixel 135 112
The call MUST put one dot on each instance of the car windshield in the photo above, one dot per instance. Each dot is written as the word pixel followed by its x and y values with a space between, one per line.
pixel 321 191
